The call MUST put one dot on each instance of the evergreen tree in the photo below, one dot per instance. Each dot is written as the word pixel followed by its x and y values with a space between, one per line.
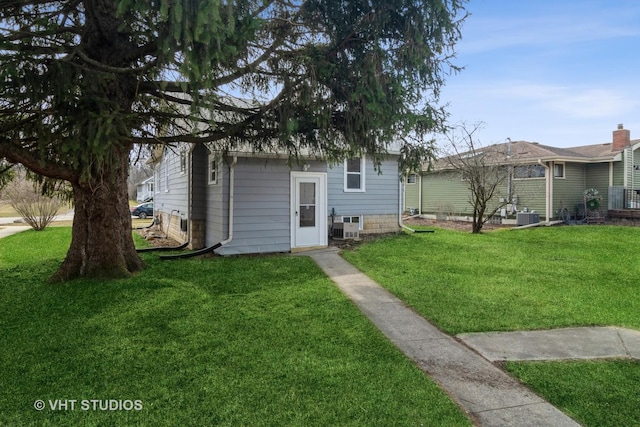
pixel 82 81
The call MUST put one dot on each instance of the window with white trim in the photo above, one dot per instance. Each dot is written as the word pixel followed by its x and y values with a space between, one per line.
pixel 353 220
pixel 411 178
pixel 558 170
pixel 354 174
pixel 213 169
pixel 183 161
pixel 166 174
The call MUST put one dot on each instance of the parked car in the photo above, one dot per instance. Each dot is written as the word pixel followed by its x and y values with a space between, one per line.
pixel 142 211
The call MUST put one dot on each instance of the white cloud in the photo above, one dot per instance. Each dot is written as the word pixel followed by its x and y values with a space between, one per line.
pixel 574 102
pixel 562 26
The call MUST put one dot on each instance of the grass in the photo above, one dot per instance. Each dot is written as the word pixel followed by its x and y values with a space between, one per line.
pixel 596 393
pixel 512 280
pixel 219 341
pixel 521 280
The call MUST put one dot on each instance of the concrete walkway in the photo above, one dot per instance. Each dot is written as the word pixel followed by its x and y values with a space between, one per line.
pixel 488 395
pixel 12 229
pixel 67 216
pixel 556 344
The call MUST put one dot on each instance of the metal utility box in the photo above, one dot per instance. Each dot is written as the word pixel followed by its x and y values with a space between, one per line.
pixel 526 218
pixel 346 230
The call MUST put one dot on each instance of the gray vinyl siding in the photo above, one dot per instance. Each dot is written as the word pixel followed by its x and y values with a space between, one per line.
pixel 261 208
pixel 175 197
pixel 199 170
pixel 217 199
pixel 568 191
pixel 380 198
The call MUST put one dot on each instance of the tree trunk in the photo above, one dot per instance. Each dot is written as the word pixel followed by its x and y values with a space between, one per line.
pixel 102 243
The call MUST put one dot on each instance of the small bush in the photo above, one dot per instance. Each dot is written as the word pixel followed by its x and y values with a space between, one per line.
pixel 36 208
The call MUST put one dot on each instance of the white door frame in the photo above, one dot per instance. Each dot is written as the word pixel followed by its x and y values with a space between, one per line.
pixel 321 238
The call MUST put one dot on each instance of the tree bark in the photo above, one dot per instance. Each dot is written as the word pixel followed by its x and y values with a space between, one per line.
pixel 102 243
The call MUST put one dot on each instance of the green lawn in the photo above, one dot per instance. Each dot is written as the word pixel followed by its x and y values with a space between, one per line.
pixel 527 279
pixel 595 393
pixel 220 341
pixel 512 280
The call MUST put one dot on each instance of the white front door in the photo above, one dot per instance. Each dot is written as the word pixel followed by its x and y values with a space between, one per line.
pixel 308 209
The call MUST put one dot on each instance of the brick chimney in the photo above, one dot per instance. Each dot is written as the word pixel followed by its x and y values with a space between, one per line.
pixel 621 138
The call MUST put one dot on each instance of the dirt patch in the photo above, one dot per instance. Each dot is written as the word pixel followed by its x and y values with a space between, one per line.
pixel 354 243
pixel 157 238
pixel 451 225
pixel 411 222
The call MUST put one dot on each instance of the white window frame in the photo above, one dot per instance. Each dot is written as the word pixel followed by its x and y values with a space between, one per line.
pixel 212 160
pixel 183 162
pixel 564 170
pixel 350 219
pixel 415 179
pixel 362 188
pixel 166 175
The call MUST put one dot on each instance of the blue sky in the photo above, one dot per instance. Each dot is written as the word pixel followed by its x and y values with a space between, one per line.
pixel 560 72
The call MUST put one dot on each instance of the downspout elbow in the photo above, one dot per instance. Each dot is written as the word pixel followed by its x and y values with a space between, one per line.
pixel 400 199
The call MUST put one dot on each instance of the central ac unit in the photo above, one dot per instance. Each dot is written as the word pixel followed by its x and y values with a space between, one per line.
pixel 526 218
pixel 346 230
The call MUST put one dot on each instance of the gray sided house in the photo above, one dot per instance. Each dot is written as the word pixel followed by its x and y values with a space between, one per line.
pixel 256 203
pixel 548 180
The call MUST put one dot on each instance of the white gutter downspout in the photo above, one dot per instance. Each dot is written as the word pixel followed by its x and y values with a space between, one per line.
pixel 548 189
pixel 610 174
pixel 420 195
pixel 231 191
pixel 400 199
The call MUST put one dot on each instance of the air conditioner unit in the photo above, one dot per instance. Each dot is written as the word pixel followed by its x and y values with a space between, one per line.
pixel 346 230
pixel 526 218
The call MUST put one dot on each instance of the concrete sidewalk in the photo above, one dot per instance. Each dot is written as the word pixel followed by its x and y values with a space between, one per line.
pixel 12 229
pixel 556 344
pixel 67 216
pixel 488 395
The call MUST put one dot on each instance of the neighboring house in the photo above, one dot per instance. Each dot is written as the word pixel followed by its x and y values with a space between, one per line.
pixel 144 190
pixel 545 179
pixel 256 203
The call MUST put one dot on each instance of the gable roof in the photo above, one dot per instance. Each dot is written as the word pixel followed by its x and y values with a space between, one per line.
pixel 532 152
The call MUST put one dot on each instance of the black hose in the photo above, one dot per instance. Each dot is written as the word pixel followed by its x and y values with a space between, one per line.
pixel 147 226
pixel 163 248
pixel 199 252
